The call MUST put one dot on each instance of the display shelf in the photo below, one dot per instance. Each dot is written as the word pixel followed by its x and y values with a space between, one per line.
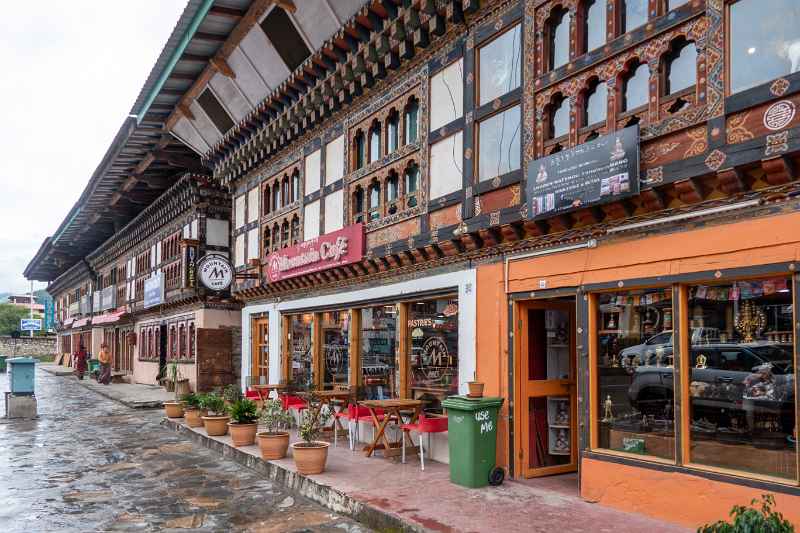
pixel 559 437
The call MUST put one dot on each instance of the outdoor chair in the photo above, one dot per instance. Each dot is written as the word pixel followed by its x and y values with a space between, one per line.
pixel 424 425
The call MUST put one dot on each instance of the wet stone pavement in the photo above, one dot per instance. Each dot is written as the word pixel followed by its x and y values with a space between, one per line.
pixel 90 464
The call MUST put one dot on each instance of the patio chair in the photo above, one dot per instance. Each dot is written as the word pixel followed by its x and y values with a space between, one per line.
pixel 355 414
pixel 294 404
pixel 424 425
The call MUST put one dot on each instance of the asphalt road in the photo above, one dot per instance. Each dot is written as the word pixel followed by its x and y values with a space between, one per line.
pixel 90 464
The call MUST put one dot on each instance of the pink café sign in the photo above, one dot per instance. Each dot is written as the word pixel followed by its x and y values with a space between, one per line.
pixel 331 250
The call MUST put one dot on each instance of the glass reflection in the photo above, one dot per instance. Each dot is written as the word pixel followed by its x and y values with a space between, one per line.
pixel 433 334
pixel 500 65
pixel 499 144
pixel 378 360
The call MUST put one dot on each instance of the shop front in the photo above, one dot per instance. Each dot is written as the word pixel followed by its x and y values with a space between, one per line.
pixel 660 366
pixel 411 339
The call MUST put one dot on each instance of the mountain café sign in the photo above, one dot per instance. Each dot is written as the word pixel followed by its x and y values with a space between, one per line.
pixel 334 249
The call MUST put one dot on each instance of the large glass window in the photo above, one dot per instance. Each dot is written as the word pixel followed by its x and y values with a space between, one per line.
pixel 336 348
pixel 634 14
pixel 635 372
pixel 499 144
pixel 301 350
pixel 500 64
pixel 636 89
pixel 741 390
pixel 378 357
pixel 433 341
pixel 559 38
pixel 764 41
pixel 594 24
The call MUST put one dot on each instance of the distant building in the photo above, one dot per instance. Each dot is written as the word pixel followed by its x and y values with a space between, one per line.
pixel 24 300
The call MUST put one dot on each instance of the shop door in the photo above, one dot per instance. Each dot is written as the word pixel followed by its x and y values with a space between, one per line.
pixel 259 329
pixel 547 391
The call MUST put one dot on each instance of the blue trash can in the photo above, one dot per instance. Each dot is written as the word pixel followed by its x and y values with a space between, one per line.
pixel 21 378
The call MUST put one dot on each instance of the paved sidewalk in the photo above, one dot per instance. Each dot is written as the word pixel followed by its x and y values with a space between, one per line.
pixel 385 494
pixel 136 395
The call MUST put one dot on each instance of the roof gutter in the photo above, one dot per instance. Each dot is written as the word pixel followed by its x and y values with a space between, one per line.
pixel 173 60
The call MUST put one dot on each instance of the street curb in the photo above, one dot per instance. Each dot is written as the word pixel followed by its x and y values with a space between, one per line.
pixel 55 372
pixel 154 404
pixel 336 501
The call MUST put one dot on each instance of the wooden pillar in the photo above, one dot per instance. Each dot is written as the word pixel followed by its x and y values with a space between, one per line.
pixel 317 363
pixel 594 438
pixel 355 351
pixel 683 367
pixel 402 349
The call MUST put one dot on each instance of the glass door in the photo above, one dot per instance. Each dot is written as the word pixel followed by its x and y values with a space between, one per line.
pixel 260 353
pixel 547 388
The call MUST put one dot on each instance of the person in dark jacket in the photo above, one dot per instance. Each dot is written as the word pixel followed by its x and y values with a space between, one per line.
pixel 80 362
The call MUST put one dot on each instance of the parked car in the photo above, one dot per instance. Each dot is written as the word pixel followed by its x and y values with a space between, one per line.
pixel 660 345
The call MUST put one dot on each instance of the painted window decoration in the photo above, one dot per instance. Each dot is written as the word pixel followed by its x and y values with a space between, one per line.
pixel 393 132
pixel 635 372
pixel 375 141
pixel 500 65
pixel 559 118
pixel 741 391
pixel 764 42
pixel 433 343
pixel 499 144
pixel 359 150
pixel 680 67
pixel 300 350
pixel 378 361
pixel 336 348
pixel 596 104
pixel 594 24
pixel 558 27
pixel 636 87
pixel 411 121
pixel 172 337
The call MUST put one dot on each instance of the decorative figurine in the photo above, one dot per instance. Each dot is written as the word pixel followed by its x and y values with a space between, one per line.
pixel 750 321
pixel 608 413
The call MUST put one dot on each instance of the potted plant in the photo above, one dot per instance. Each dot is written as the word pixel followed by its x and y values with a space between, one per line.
pixel 231 393
pixel 243 424
pixel 274 442
pixel 216 420
pixel 191 410
pixel 310 455
pixel 174 409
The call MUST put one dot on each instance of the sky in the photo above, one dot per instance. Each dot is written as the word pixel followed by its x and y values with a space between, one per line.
pixel 71 73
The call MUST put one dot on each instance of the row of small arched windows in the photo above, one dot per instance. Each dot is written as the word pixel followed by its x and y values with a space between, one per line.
pixel 281 192
pixel 386 197
pixel 282 235
pixel 369 148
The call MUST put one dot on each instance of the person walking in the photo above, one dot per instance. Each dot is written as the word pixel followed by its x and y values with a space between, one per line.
pixel 80 361
pixel 105 364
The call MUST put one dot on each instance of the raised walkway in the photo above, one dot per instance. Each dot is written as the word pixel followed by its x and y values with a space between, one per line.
pixel 134 395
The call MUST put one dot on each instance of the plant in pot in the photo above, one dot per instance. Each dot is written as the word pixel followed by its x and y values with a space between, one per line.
pixel 310 455
pixel 174 409
pixel 244 422
pixel 191 410
pixel 232 394
pixel 274 440
pixel 216 419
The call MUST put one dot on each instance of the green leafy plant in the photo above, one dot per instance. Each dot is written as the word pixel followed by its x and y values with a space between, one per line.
pixel 213 403
pixel 752 519
pixel 232 393
pixel 274 417
pixel 243 411
pixel 192 400
pixel 311 423
pixel 174 376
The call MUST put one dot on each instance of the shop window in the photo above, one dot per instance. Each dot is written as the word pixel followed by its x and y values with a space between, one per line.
pixel 378 362
pixel 635 373
pixel 295 230
pixel 285 234
pixel 558 43
pixel 374 198
pixel 594 24
pixel 392 131
pixel 636 87
pixel 301 350
pixel 295 186
pixel 359 150
pixel 433 360
pixel 595 105
pixel 559 118
pixel 411 179
pixel 499 144
pixel 500 64
pixel 680 67
pixel 336 348
pixel 375 141
pixel 358 204
pixel 741 390
pixel 764 42
pixel 634 14
pixel 411 121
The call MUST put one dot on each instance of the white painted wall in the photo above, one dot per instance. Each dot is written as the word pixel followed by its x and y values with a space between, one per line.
pixel 311 221
pixel 447 95
pixel 446 174
pixel 216 232
pixel 334 211
pixel 334 160
pixel 312 171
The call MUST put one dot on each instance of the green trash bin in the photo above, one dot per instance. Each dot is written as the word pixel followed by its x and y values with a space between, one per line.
pixel 472 439
pixel 94 364
pixel 3 363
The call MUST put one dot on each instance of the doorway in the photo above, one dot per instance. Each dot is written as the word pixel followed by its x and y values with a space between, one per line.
pixel 162 351
pixel 546 391
pixel 259 331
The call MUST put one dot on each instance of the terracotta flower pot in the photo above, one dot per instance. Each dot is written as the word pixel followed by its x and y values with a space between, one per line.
pixel 273 445
pixel 216 426
pixel 475 389
pixel 243 434
pixel 173 409
pixel 310 458
pixel 192 416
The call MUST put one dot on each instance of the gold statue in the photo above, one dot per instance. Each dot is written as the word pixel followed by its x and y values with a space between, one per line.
pixel 608 413
pixel 750 321
pixel 702 362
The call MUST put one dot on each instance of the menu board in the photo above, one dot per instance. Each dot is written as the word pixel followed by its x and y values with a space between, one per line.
pixel 596 172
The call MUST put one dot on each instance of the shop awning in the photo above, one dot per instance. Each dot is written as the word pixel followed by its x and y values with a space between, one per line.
pixel 108 318
pixel 82 322
pixel 68 322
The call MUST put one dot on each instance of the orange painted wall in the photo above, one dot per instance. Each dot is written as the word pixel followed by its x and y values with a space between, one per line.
pixel 672 496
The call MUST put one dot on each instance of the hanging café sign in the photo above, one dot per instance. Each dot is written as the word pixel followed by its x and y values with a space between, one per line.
pixel 596 172
pixel 338 248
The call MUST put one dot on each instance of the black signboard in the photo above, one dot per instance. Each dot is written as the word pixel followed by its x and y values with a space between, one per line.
pixel 595 172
